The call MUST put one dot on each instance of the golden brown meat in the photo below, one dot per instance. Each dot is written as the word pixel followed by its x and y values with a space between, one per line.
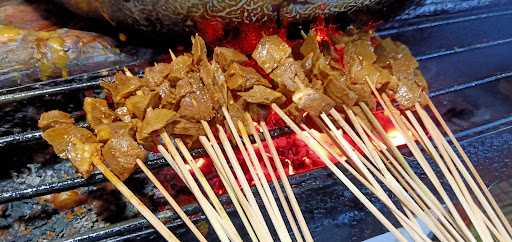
pixel 290 75
pixel 53 119
pixel 140 102
pixel 60 137
pixel 185 127
pixel 180 67
pixel 241 78
pixel 120 154
pixel 155 75
pixel 337 90
pixel 105 132
pixel 196 106
pixel 97 112
pixel 262 95
pixel 270 52
pixel 122 87
pixel 81 155
pixel 312 101
pixel 225 57
pixel 154 121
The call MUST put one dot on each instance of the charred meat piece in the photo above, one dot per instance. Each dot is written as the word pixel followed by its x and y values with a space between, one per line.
pixel 60 137
pixel 312 101
pixel 120 154
pixel 241 78
pixel 97 112
pixel 262 95
pixel 225 57
pixel 270 52
pixel 54 119
pixel 122 87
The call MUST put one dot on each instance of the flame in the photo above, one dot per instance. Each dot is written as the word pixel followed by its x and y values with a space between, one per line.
pixel 395 136
pixel 290 167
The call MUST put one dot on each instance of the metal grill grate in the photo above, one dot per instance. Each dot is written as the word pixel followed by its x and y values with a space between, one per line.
pixel 438 42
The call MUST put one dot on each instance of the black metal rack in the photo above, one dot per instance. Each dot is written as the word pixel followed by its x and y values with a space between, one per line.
pixel 442 43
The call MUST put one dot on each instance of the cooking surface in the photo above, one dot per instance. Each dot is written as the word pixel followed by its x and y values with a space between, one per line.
pixel 465 56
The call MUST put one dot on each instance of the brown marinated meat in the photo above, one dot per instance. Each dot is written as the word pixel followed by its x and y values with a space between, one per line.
pixel 312 101
pixel 105 132
pixel 180 67
pixel 120 155
pixel 262 95
pixel 53 119
pixel 122 87
pixel 157 74
pixel 270 52
pixel 97 112
pixel 241 78
pixel 184 127
pixel 154 121
pixel 81 155
pixel 225 57
pixel 140 102
pixel 60 137
pixel 290 75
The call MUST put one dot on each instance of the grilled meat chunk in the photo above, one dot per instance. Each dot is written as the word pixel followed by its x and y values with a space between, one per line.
pixel 60 137
pixel 122 87
pixel 225 57
pixel 270 52
pixel 81 155
pixel 97 112
pixel 105 132
pixel 262 95
pixel 312 101
pixel 120 154
pixel 54 118
pixel 241 78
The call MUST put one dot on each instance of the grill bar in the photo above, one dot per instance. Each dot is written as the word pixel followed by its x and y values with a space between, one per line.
pixel 76 182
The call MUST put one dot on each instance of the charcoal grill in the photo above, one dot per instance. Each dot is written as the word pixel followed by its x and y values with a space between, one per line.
pixel 464 50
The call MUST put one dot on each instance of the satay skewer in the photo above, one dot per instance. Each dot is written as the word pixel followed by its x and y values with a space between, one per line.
pixel 342 177
pixel 275 182
pixel 208 189
pixel 286 184
pixel 272 207
pixel 135 201
pixel 209 211
pixel 174 205
pixel 469 165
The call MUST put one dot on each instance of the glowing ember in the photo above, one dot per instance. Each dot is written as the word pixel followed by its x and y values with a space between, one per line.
pixel 396 137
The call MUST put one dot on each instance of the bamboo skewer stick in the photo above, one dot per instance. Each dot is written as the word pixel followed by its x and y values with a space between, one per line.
pixel 243 181
pixel 275 182
pixel 469 165
pixel 342 177
pixel 235 199
pixel 454 161
pixel 271 205
pixel 209 211
pixel 152 219
pixel 259 228
pixel 427 168
pixel 455 184
pixel 209 191
pixel 396 189
pixel 286 184
pixel 175 206
pixel 411 227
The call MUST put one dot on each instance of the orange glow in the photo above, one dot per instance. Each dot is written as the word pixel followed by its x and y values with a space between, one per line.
pixel 395 136
pixel 290 167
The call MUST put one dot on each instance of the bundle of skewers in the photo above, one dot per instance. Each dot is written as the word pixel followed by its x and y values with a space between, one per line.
pixel 441 202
